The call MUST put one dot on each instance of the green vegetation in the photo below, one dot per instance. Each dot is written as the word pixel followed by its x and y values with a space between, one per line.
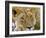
pixel 37 26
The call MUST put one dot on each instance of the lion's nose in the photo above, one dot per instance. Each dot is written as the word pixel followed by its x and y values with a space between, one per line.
pixel 29 28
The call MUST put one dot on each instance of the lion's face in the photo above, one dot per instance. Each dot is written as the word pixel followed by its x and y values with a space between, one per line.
pixel 24 18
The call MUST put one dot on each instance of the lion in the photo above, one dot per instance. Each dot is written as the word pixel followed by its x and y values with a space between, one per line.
pixel 23 18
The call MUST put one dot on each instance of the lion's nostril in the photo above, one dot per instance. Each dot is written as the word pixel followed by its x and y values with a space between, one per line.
pixel 29 27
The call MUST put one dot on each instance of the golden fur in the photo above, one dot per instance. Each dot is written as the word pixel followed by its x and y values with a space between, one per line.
pixel 24 18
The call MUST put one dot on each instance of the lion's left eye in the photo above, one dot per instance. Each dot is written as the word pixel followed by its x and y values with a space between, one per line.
pixel 22 18
pixel 31 16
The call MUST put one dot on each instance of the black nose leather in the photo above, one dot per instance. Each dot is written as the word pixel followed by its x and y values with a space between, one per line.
pixel 29 27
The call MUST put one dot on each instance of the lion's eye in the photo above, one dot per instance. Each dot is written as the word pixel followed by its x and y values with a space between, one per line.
pixel 31 16
pixel 22 18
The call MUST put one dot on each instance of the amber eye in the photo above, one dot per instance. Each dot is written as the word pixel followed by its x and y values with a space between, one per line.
pixel 30 15
pixel 22 18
